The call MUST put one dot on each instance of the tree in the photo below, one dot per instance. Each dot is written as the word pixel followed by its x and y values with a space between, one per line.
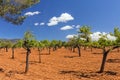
pixel 84 33
pixel 40 46
pixel 11 10
pixel 54 44
pixel 47 44
pixel 117 34
pixel 28 37
pixel 104 42
pixel 76 42
pixel 7 44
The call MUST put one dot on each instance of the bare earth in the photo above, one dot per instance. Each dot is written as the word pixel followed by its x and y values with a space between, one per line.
pixel 59 65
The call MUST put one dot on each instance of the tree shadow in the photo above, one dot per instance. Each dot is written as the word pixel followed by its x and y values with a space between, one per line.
pixel 79 74
pixel 113 61
pixel 110 73
pixel 11 73
pixel 2 70
pixel 23 52
pixel 97 53
pixel 44 54
pixel 70 56
pixel 33 62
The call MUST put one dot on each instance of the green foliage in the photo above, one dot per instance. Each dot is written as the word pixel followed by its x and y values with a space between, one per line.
pixel 117 34
pixel 28 36
pixel 84 32
pixel 11 10
pixel 7 44
pixel 28 40
pixel 46 43
pixel 54 43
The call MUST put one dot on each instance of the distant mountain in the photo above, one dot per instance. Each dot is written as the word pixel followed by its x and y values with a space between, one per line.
pixel 12 40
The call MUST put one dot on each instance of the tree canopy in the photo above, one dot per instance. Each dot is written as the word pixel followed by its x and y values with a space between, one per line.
pixel 11 10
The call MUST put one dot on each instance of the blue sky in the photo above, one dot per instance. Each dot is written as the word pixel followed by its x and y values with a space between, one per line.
pixel 101 15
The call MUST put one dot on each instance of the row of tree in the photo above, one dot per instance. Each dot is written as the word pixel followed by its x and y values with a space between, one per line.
pixel 83 39
pixel 29 42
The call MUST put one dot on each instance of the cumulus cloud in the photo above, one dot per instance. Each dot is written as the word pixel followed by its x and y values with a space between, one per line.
pixel 64 17
pixel 31 13
pixel 113 38
pixel 66 27
pixel 36 24
pixel 42 23
pixel 70 36
pixel 96 35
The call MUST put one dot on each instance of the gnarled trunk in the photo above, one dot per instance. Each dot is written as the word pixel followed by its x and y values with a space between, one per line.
pixel 39 55
pixel 79 51
pixel 12 53
pixel 49 50
pixel 105 53
pixel 27 60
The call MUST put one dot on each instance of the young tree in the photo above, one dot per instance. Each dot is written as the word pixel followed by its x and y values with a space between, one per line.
pixel 40 46
pixel 28 36
pixel 7 44
pixel 47 44
pixel 76 42
pixel 54 44
pixel 84 33
pixel 104 42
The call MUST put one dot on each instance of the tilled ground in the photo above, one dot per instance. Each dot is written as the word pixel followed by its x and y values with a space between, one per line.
pixel 59 65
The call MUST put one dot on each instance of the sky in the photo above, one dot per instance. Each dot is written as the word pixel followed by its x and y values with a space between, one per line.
pixel 60 19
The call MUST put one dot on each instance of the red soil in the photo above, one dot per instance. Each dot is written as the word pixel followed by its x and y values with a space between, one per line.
pixel 59 65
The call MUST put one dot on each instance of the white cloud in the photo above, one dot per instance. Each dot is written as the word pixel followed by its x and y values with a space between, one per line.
pixel 53 21
pixel 66 27
pixel 42 23
pixel 78 26
pixel 31 13
pixel 70 36
pixel 96 35
pixel 36 24
pixel 113 38
pixel 64 17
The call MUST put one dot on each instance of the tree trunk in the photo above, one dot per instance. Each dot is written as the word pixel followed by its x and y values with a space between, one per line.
pixel 12 53
pixel 91 49
pixel 79 51
pixel 49 51
pixel 105 53
pixel 73 49
pixel 6 49
pixel 85 47
pixel 27 60
pixel 39 55
pixel 118 50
